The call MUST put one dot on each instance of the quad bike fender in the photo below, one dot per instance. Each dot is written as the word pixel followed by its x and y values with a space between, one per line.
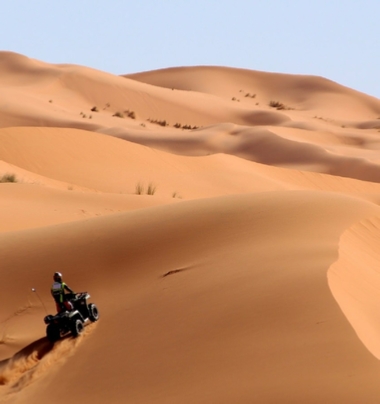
pixel 48 319
pixel 76 314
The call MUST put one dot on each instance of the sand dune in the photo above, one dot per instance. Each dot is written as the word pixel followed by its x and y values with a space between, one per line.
pixel 234 307
pixel 309 92
pixel 203 99
pixel 246 273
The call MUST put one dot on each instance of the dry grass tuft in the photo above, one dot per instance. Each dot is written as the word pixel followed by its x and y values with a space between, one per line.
pixel 130 114
pixel 277 105
pixel 140 188
pixel 8 178
pixel 151 189
pixel 158 122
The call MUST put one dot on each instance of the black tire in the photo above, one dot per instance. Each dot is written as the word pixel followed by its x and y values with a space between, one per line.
pixel 77 327
pixel 93 312
pixel 52 332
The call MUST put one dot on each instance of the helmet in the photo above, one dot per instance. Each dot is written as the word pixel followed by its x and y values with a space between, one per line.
pixel 57 276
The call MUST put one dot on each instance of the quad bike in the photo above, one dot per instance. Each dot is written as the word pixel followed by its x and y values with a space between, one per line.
pixel 71 322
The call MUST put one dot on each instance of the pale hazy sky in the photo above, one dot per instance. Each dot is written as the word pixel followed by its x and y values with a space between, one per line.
pixel 336 39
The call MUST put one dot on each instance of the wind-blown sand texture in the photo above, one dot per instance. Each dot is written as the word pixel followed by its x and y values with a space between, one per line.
pixel 248 274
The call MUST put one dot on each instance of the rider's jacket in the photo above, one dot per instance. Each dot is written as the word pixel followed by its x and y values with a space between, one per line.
pixel 58 291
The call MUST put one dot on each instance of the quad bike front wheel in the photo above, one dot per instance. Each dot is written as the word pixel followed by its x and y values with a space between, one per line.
pixel 77 327
pixel 93 312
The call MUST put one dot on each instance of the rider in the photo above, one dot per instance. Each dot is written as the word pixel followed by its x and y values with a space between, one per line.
pixel 58 292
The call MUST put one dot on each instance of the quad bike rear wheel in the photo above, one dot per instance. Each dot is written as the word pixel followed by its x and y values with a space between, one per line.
pixel 53 333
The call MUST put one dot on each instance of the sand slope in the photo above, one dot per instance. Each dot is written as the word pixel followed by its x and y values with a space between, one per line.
pixel 248 275
pixel 234 312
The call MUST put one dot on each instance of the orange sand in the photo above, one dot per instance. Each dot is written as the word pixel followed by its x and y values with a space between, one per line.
pixel 251 275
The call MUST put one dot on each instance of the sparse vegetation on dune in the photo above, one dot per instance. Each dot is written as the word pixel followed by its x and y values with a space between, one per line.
pixel 140 188
pixel 130 114
pixel 158 122
pixel 180 126
pixel 276 104
pixel 175 194
pixel 279 105
pixel 151 189
pixel 119 114
pixel 8 177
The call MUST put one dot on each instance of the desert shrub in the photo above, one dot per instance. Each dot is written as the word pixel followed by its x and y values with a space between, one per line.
pixel 130 114
pixel 139 189
pixel 8 178
pixel 175 194
pixel 151 189
pixel 94 109
pixel 189 127
pixel 276 104
pixel 158 122
pixel 118 114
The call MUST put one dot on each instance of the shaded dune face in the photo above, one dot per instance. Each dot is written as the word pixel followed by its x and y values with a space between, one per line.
pixel 354 280
pixel 225 222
